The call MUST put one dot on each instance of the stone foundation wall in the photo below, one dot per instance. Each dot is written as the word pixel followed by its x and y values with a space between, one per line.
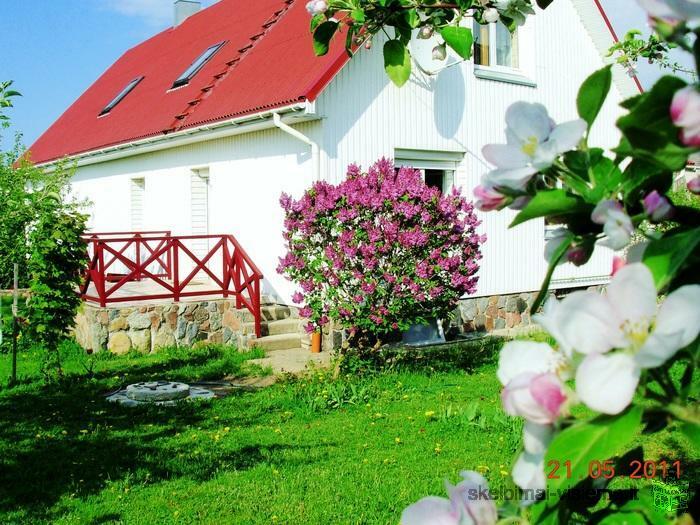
pixel 485 314
pixel 152 327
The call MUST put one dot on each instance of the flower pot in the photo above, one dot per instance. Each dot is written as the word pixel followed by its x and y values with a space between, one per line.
pixel 316 343
pixel 424 334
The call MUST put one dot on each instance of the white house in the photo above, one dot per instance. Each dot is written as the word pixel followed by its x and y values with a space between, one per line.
pixel 202 127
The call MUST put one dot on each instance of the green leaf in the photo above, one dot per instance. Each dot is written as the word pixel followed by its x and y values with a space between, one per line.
pixel 460 39
pixel 358 15
pixel 551 202
pixel 556 257
pixel 593 93
pixel 692 432
pixel 316 21
pixel 322 37
pixel 596 440
pixel 666 257
pixel 397 62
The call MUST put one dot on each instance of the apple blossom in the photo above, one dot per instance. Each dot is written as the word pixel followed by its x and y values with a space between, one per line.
pixel 522 357
pixel 469 503
pixel 536 397
pixel 685 113
pixel 488 199
pixel 317 7
pixel 617 264
pixel 626 319
pixel 617 226
pixel 534 142
pixel 657 207
pixel 577 254
pixel 694 185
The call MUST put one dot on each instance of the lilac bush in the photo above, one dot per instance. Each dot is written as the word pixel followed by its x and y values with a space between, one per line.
pixel 380 251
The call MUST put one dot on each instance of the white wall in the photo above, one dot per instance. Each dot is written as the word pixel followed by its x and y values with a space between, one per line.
pixel 247 174
pixel 367 117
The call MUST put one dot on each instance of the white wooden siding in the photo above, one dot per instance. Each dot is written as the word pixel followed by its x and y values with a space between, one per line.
pixel 364 118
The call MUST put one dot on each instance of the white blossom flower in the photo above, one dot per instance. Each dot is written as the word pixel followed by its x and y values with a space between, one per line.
pixel 469 504
pixel 626 319
pixel 534 141
pixel 617 226
pixel 528 472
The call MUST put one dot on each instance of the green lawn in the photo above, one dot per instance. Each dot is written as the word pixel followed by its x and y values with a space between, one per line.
pixel 313 451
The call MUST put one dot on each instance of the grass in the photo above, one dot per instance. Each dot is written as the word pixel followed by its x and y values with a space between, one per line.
pixel 357 449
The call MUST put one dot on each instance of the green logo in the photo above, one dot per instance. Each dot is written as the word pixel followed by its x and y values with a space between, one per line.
pixel 670 498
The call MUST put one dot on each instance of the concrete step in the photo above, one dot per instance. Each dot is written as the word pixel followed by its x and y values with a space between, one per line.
pixel 293 361
pixel 271 343
pixel 284 326
pixel 277 313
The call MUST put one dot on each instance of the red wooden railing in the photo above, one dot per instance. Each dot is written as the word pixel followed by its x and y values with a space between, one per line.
pixel 116 259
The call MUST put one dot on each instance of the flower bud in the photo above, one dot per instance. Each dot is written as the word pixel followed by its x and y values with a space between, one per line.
pixel 439 53
pixel 368 44
pixel 657 207
pixel 426 32
pixel 694 186
pixel 316 7
pixel 491 15
pixel 536 397
pixel 685 113
pixel 488 199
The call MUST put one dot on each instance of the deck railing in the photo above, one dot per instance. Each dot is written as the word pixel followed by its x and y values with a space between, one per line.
pixel 172 263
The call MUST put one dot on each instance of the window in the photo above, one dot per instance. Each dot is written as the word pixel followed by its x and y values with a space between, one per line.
pixel 198 64
pixel 138 191
pixel 494 45
pixel 124 92
pixel 437 167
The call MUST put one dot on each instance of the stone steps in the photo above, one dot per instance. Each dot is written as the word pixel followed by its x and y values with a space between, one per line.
pixel 277 313
pixel 283 326
pixel 271 343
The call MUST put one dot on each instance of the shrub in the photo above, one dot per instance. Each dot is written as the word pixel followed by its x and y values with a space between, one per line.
pixel 380 251
pixel 56 264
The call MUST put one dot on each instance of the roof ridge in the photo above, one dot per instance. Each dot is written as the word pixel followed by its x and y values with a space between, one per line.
pixel 205 92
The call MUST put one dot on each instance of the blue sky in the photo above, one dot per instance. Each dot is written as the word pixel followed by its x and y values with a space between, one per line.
pixel 54 49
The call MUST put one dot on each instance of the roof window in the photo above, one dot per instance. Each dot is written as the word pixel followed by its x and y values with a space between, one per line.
pixel 123 93
pixel 197 65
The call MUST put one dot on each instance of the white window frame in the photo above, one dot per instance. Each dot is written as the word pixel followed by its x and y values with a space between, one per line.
pixel 445 161
pixel 495 71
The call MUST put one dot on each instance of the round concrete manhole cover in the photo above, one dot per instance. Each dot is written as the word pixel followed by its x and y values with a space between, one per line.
pixel 158 393
pixel 153 391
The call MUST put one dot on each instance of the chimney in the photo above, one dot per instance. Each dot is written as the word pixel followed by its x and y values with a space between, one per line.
pixel 184 9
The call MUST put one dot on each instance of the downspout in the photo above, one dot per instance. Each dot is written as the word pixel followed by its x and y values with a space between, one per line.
pixel 315 152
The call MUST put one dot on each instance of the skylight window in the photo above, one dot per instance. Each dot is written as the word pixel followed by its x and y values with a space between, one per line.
pixel 124 92
pixel 198 64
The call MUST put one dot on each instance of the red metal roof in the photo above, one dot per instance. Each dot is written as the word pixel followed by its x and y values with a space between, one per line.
pixel 267 62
